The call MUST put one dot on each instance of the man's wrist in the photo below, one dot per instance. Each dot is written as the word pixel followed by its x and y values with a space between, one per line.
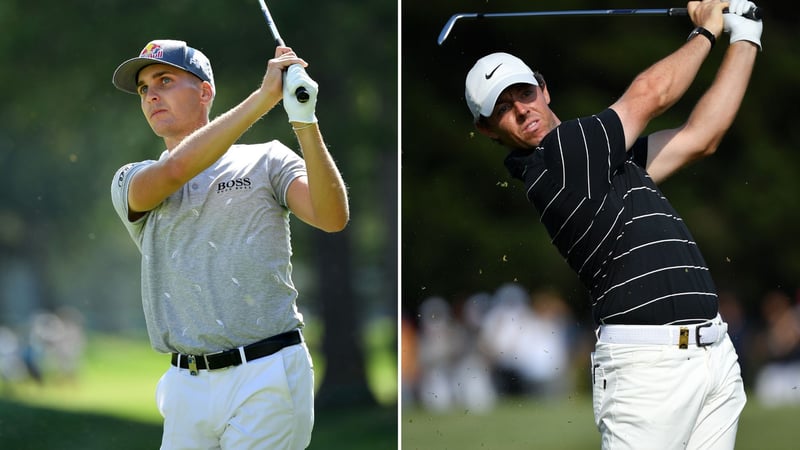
pixel 302 125
pixel 703 32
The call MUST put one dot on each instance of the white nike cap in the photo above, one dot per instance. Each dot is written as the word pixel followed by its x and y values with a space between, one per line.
pixel 489 76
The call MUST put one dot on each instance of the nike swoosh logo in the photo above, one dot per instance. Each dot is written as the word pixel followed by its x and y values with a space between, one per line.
pixel 489 75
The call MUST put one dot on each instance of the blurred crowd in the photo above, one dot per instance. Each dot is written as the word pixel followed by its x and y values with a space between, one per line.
pixel 48 348
pixel 511 342
pixel 769 348
pixel 467 355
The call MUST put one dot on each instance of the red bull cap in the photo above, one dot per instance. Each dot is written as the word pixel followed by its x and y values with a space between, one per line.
pixel 163 51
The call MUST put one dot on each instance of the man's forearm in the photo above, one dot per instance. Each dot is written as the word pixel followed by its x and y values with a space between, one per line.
pixel 670 78
pixel 203 147
pixel 717 108
pixel 326 187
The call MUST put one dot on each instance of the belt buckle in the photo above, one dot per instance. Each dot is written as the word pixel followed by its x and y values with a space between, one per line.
pixel 206 355
pixel 192 363
pixel 697 334
pixel 683 338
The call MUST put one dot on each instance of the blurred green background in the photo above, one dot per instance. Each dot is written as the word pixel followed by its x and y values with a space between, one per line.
pixel 64 256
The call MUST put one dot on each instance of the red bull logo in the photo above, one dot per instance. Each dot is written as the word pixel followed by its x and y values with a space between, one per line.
pixel 152 51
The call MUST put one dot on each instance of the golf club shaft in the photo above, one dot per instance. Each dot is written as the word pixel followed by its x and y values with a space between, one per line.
pixel 754 14
pixel 301 92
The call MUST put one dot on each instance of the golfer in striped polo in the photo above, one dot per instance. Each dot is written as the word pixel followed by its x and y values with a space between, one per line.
pixel 665 374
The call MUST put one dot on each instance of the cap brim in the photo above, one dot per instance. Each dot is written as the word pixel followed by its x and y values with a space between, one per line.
pixel 124 77
pixel 488 103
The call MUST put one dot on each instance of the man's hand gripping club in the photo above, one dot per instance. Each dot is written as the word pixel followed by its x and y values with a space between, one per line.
pixel 742 28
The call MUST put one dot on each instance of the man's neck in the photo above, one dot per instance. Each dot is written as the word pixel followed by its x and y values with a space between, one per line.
pixel 173 141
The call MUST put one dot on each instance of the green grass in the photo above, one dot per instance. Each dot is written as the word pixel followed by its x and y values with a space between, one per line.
pixel 512 425
pixel 111 405
pixel 568 425
pixel 27 427
pixel 118 379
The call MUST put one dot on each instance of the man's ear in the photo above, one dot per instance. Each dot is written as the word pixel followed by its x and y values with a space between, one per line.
pixel 484 128
pixel 539 79
pixel 206 91
pixel 542 86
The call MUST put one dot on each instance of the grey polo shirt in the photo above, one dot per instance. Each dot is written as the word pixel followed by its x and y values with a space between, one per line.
pixel 216 269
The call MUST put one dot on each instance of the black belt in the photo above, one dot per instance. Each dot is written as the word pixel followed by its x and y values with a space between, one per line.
pixel 233 357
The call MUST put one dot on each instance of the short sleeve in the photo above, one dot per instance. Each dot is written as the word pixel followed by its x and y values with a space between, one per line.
pixel 284 167
pixel 119 197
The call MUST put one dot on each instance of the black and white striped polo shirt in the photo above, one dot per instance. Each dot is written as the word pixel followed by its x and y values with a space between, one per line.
pixel 613 225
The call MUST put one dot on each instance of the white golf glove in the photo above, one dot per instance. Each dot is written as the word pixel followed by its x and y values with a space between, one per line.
pixel 296 76
pixel 742 28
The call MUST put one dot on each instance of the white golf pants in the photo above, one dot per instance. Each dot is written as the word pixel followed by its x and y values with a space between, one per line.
pixel 664 397
pixel 267 403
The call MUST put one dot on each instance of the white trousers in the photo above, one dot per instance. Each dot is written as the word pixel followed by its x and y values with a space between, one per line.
pixel 267 403
pixel 663 397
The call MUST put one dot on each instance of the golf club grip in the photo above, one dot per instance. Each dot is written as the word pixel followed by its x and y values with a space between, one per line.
pixel 301 93
pixel 753 14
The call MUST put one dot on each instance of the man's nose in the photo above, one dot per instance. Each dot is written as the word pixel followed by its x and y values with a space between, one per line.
pixel 152 94
pixel 520 107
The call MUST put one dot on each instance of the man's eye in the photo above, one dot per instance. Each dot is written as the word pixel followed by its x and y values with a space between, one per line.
pixel 142 90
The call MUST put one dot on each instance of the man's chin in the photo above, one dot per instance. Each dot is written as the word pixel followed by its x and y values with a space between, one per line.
pixel 160 130
pixel 525 144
